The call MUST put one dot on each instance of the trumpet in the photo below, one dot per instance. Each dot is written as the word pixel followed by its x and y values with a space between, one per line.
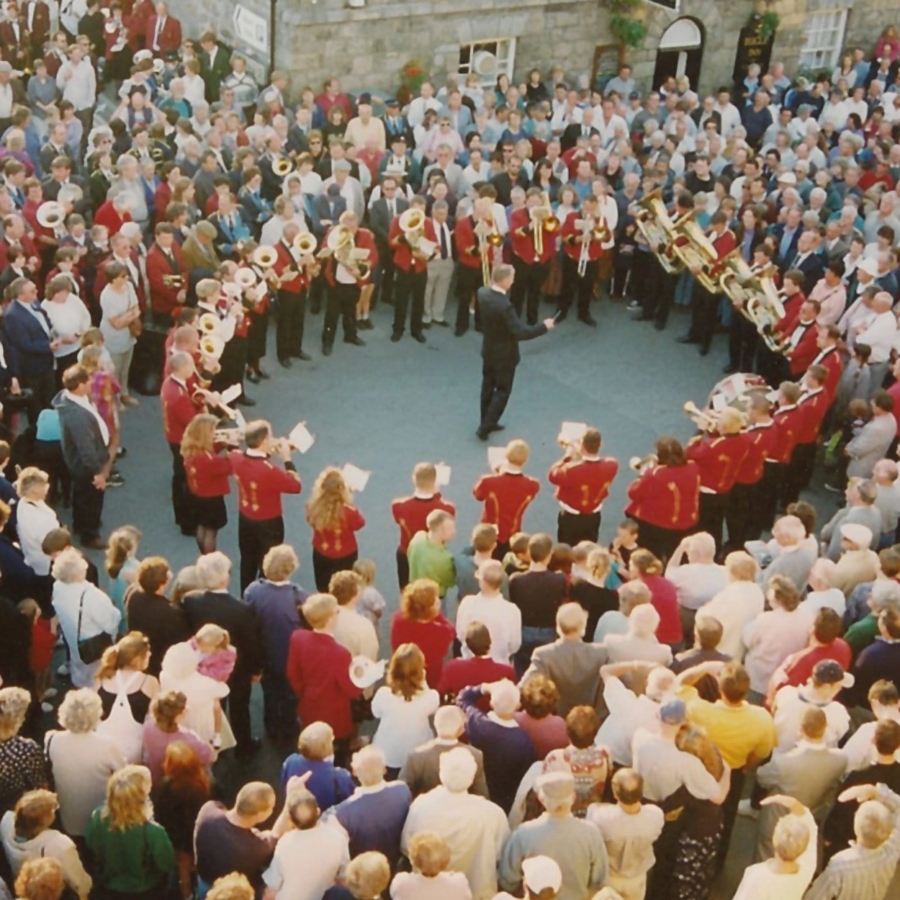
pixel 543 219
pixel 640 464
pixel 173 281
pixel 704 420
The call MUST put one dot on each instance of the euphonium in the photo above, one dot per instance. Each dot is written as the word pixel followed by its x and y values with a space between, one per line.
pixel 282 165
pixel 412 224
pixel 208 324
pixel 695 250
pixel 656 225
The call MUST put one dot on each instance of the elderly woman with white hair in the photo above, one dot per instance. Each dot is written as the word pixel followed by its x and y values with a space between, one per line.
pixel 640 641
pixel 631 594
pixel 795 556
pixel 823 593
pixel 739 602
pixel 34 518
pixel 26 834
pixel 858 563
pixel 22 764
pixel 508 750
pixel 81 760
pixel 84 613
pixel 474 829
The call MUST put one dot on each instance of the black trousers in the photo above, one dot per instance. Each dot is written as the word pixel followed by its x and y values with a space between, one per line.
pixel 659 292
pixel 341 300
pixel 740 515
pixel 704 315
pixel 87 507
pixel 256 338
pixel 233 362
pixel 496 386
pixel 326 566
pixel 402 568
pixel 289 324
pixel 712 515
pixel 571 529
pixel 239 709
pixel 526 289
pixel 388 274
pixel 742 341
pixel 798 472
pixel 410 296
pixel 468 280
pixel 661 542
pixel 574 285
pixel 255 538
pixel 181 496
pixel 764 500
pixel 43 390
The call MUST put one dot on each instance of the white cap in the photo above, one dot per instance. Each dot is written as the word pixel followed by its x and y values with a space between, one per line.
pixel 857 534
pixel 869 266
pixel 540 873
pixel 787 178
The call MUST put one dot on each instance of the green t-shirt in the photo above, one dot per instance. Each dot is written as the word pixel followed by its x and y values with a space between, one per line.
pixel 428 560
pixel 860 634
pixel 137 859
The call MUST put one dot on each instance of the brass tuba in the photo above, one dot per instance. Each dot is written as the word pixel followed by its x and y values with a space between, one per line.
pixel 696 250
pixel 305 243
pixel 282 165
pixel 656 225
pixel 265 256
pixel 412 224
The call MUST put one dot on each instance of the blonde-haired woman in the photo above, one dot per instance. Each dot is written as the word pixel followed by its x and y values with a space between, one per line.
pixel 207 472
pixel 133 856
pixel 26 834
pixel 404 708
pixel 83 610
pixel 22 766
pixel 334 521
pixel 34 518
pixel 126 690
pixel 122 565
pixel 590 591
pixel 81 760
pixel 40 879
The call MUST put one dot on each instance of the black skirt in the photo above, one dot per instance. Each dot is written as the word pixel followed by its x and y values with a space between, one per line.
pixel 209 511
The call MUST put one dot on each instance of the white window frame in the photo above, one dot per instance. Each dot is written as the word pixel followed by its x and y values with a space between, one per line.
pixel 676 7
pixel 824 34
pixel 507 64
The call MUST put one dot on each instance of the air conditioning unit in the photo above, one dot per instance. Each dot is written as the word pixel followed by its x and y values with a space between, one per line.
pixel 485 64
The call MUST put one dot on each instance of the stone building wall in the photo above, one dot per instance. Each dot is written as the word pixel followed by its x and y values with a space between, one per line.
pixel 366 47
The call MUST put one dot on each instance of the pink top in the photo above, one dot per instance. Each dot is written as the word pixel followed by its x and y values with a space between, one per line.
pixel 104 391
pixel 218 665
pixel 156 743
pixel 664 598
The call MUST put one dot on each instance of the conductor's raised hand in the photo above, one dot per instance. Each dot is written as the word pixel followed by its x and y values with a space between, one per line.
pixel 550 324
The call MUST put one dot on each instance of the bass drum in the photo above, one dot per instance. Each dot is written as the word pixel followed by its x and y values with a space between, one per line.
pixel 737 390
pixel 147 365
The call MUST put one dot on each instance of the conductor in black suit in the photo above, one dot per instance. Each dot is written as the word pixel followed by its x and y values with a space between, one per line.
pixel 501 332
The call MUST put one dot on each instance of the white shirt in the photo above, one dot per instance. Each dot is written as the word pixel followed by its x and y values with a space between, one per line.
pixel 738 603
pixel 697 583
pixel 627 713
pixel 81 88
pixel 791 703
pixel 833 598
pixel 628 837
pixel 6 101
pixel 762 882
pixel 306 863
pixel 113 304
pixel 356 633
pixel 475 828
pixel 665 768
pixel 201 692
pixel 99 615
pixel 70 318
pixel 404 724
pixel 860 750
pixel 770 639
pixel 502 619
pixel 880 335
pixel 34 520
pixel 444 886
pixel 730 116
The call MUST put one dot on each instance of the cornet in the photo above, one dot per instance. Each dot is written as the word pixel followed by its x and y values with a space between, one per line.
pixel 640 464
pixel 173 281
pixel 705 421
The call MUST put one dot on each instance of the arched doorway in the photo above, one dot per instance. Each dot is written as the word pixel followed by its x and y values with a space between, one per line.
pixel 680 52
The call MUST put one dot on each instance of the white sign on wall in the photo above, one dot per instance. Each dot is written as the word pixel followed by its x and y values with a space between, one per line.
pixel 251 28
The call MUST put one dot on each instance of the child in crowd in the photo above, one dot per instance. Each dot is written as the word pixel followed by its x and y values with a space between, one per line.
pixel 518 559
pixel 216 661
pixel 561 559
pixel 121 566
pixel 371 602
pixel 623 545
pixel 43 637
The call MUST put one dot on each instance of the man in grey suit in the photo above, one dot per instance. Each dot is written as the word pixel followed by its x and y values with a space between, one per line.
pixel 810 773
pixel 872 443
pixel 421 771
pixel 392 202
pixel 502 330
pixel 570 663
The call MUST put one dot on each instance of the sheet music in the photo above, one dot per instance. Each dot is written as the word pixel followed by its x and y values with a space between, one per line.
pixel 572 432
pixel 300 438
pixel 496 457
pixel 231 394
pixel 443 474
pixel 356 478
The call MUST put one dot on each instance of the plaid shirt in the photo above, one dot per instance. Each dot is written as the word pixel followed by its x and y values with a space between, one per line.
pixel 859 873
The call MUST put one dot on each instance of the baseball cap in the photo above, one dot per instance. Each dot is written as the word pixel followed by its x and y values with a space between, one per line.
pixel 540 873
pixel 787 178
pixel 634 95
pixel 869 266
pixel 830 672
pixel 673 713
pixel 857 534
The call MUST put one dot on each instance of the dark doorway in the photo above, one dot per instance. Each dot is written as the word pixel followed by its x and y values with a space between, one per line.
pixel 680 52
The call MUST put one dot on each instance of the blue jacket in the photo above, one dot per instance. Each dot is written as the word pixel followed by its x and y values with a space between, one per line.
pixel 27 345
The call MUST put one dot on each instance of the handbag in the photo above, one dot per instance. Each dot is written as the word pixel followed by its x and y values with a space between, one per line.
pixel 92 649
pixel 136 327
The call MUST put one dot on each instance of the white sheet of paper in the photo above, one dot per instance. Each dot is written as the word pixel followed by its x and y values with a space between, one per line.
pixel 231 394
pixel 356 478
pixel 496 457
pixel 300 438
pixel 719 402
pixel 443 474
pixel 572 432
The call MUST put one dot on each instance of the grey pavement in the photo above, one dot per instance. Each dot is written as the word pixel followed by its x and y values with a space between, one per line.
pixel 385 407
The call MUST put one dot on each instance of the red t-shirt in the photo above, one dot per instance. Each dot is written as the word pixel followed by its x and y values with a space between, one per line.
pixel 664 598
pixel 42 642
pixel 800 671
pixel 432 638
pixel 463 673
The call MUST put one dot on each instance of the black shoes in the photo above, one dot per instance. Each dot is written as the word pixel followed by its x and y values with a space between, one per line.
pixel 687 339
pixel 356 340
pixel 305 357
pixel 588 319
pixel 252 377
pixel 364 325
pixel 420 338
pixel 326 349
pixel 395 338
pixel 285 363
pixel 244 400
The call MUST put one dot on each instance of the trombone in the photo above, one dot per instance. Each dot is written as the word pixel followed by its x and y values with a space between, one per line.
pixel 488 236
pixel 543 219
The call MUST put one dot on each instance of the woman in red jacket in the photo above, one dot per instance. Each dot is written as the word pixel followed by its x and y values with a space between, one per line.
pixel 207 472
pixel 335 521
pixel 419 621
pixel 665 499
pixel 644 566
